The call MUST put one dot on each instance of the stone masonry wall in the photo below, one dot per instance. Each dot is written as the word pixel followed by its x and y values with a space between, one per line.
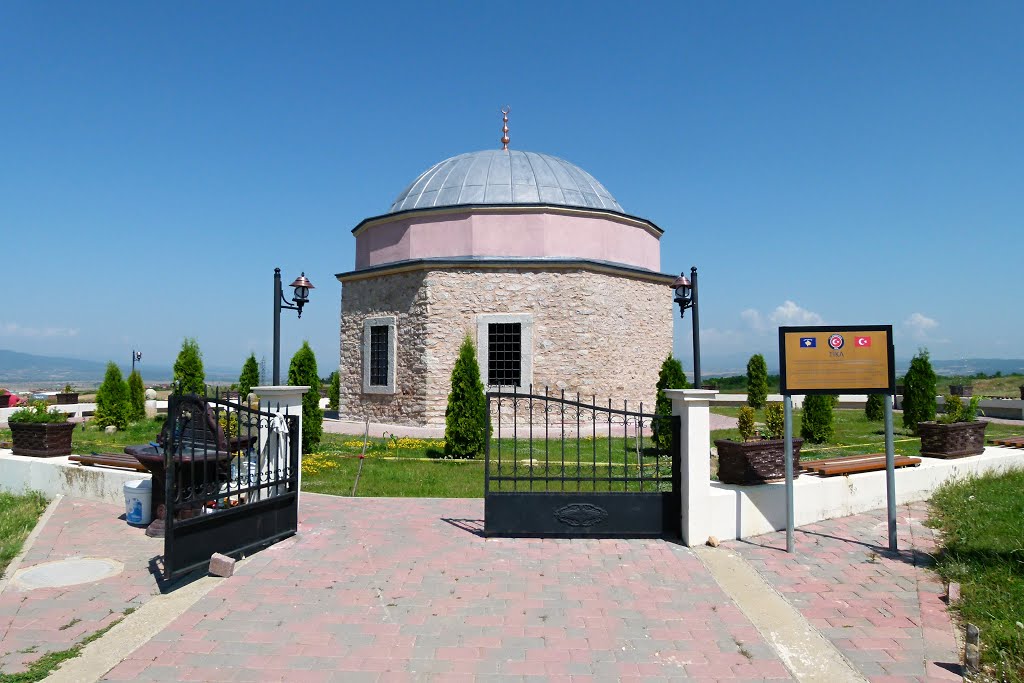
pixel 597 334
pixel 401 295
pixel 593 333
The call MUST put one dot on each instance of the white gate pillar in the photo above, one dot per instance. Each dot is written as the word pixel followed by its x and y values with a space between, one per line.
pixel 693 406
pixel 283 399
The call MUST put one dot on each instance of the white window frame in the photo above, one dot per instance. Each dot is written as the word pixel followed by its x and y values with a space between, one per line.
pixel 391 322
pixel 525 321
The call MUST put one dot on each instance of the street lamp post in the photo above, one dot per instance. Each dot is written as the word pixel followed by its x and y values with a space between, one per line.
pixel 136 356
pixel 302 287
pixel 686 297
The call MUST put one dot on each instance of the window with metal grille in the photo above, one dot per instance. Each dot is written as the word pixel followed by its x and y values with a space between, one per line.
pixel 379 355
pixel 504 354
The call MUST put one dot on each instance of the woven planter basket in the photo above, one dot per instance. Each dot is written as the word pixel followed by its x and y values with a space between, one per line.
pixel 43 440
pixel 755 462
pixel 957 440
pixel 67 399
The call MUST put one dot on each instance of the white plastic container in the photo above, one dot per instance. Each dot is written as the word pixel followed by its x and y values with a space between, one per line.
pixel 138 502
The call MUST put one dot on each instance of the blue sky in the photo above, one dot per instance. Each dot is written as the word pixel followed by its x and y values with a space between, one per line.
pixel 832 163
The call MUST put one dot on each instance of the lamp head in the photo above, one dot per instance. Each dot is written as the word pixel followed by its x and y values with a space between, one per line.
pixel 302 286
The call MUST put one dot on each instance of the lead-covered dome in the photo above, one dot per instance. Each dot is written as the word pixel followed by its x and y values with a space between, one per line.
pixel 505 177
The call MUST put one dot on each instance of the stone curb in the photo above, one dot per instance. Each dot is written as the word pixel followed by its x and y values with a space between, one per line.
pixel 804 651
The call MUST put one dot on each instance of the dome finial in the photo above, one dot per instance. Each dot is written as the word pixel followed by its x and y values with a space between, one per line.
pixel 504 126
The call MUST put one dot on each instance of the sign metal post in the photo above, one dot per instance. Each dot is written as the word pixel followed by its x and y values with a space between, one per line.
pixel 832 360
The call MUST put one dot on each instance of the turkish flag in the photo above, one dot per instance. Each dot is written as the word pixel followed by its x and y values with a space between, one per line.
pixel 862 341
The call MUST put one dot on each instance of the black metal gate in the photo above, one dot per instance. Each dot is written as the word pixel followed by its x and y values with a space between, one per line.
pixel 566 468
pixel 231 479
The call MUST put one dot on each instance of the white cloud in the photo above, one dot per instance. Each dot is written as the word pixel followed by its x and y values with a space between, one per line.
pixel 754 319
pixel 16 330
pixel 789 313
pixel 920 326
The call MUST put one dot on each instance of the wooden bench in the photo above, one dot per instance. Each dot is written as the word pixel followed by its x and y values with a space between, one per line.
pixel 853 464
pixel 1009 441
pixel 119 460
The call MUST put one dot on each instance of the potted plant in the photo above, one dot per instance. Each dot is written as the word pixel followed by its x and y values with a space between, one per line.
pixel 760 457
pixel 36 431
pixel 962 388
pixel 955 434
pixel 68 396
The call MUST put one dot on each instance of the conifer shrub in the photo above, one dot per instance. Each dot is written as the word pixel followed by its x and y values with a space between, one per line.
pixel 466 422
pixel 249 378
pixel 757 381
pixel 334 391
pixel 875 407
pixel 136 396
pixel 816 425
pixel 919 391
pixel 302 372
pixel 189 377
pixel 746 423
pixel 775 420
pixel 113 406
pixel 670 376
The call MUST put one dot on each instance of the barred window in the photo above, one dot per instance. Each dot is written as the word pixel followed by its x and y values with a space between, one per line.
pixel 504 354
pixel 379 355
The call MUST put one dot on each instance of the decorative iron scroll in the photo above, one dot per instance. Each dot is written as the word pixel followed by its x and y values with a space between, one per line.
pixel 581 514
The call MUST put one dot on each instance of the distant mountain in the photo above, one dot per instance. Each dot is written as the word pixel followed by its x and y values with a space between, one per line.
pixel 729 366
pixel 18 368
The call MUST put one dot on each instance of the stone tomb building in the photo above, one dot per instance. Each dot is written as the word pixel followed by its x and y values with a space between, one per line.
pixel 529 255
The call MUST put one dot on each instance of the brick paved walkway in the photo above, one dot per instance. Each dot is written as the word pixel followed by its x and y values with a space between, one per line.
pixel 407 589
pixel 404 589
pixel 34 622
pixel 884 611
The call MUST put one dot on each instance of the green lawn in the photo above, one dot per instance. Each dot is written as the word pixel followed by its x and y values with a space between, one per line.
pixel 18 516
pixel 982 521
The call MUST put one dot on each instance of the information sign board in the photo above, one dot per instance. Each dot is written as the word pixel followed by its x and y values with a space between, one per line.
pixel 853 359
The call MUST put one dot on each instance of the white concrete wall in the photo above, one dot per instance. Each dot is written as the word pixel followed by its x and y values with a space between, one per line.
pixel 50 476
pixel 744 511
pixel 75 410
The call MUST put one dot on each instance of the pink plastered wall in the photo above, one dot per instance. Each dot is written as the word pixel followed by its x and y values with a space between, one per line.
pixel 513 235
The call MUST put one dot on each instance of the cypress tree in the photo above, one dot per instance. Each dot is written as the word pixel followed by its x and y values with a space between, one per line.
pixel 919 391
pixel 112 404
pixel 816 423
pixel 250 376
pixel 875 408
pixel 136 395
pixel 334 391
pixel 189 377
pixel 466 422
pixel 757 381
pixel 302 372
pixel 671 376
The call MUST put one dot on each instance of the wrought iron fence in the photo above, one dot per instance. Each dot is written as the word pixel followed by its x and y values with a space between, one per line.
pixel 550 443
pixel 231 478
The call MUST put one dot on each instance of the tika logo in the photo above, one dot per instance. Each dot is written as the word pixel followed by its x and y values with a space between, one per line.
pixel 836 341
pixel 862 341
pixel 808 342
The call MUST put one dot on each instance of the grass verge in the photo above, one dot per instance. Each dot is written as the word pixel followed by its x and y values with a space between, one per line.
pixel 18 516
pixel 982 522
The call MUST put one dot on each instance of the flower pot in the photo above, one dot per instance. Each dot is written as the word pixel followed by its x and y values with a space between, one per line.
pixel 42 439
pixel 961 389
pixel 1022 392
pixel 67 399
pixel 956 440
pixel 755 462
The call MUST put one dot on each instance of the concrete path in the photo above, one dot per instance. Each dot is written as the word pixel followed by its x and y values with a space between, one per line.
pixel 407 589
